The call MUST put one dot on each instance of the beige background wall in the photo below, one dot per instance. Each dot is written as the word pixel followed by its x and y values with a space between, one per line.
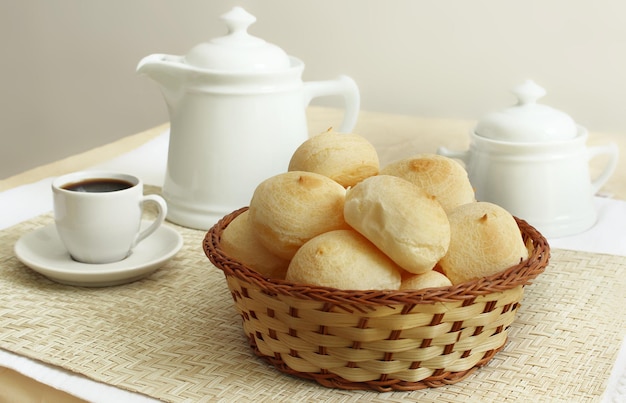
pixel 68 79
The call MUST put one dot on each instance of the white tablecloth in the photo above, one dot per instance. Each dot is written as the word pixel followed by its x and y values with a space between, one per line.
pixel 148 162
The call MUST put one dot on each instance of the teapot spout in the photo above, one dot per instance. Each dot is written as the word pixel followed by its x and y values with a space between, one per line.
pixel 168 72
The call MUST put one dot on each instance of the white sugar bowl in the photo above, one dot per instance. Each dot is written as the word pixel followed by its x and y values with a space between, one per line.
pixel 533 160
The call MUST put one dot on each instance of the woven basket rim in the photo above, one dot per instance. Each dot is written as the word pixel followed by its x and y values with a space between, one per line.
pixel 520 274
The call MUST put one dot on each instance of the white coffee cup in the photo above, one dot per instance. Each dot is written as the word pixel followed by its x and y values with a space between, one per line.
pixel 98 214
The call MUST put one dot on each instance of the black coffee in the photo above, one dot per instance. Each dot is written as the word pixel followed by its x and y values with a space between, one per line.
pixel 98 185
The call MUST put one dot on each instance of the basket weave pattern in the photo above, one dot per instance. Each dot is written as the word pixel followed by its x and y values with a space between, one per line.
pixel 381 340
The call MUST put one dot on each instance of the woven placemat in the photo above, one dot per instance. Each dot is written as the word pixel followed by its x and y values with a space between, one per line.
pixel 176 336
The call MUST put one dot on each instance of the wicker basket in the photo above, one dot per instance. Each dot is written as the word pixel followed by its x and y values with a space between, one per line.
pixel 380 340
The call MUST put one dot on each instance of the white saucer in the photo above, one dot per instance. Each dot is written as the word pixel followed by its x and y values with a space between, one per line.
pixel 43 251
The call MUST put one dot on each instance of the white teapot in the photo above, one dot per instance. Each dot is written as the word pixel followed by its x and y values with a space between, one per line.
pixel 237 108
pixel 532 160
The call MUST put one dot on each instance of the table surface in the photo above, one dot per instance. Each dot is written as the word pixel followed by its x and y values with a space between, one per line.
pixel 394 136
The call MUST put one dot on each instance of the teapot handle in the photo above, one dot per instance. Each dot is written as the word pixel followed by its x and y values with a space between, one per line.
pixel 613 151
pixel 344 86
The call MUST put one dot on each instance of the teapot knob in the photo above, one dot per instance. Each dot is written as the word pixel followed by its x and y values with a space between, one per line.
pixel 238 20
pixel 238 51
pixel 528 92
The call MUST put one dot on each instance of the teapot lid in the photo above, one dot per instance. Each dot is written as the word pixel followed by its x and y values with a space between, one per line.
pixel 238 51
pixel 528 121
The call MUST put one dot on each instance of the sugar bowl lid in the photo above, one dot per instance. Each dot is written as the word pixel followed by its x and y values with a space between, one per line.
pixel 528 121
pixel 238 51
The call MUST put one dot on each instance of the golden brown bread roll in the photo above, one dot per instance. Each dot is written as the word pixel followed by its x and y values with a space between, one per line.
pixel 485 240
pixel 430 279
pixel 239 242
pixel 288 209
pixel 399 218
pixel 347 158
pixel 346 260
pixel 441 177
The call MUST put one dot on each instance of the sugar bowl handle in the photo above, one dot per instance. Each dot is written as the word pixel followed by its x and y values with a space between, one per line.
pixel 461 155
pixel 612 151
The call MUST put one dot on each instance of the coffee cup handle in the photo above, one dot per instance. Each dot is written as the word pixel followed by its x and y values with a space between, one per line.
pixel 613 151
pixel 161 205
